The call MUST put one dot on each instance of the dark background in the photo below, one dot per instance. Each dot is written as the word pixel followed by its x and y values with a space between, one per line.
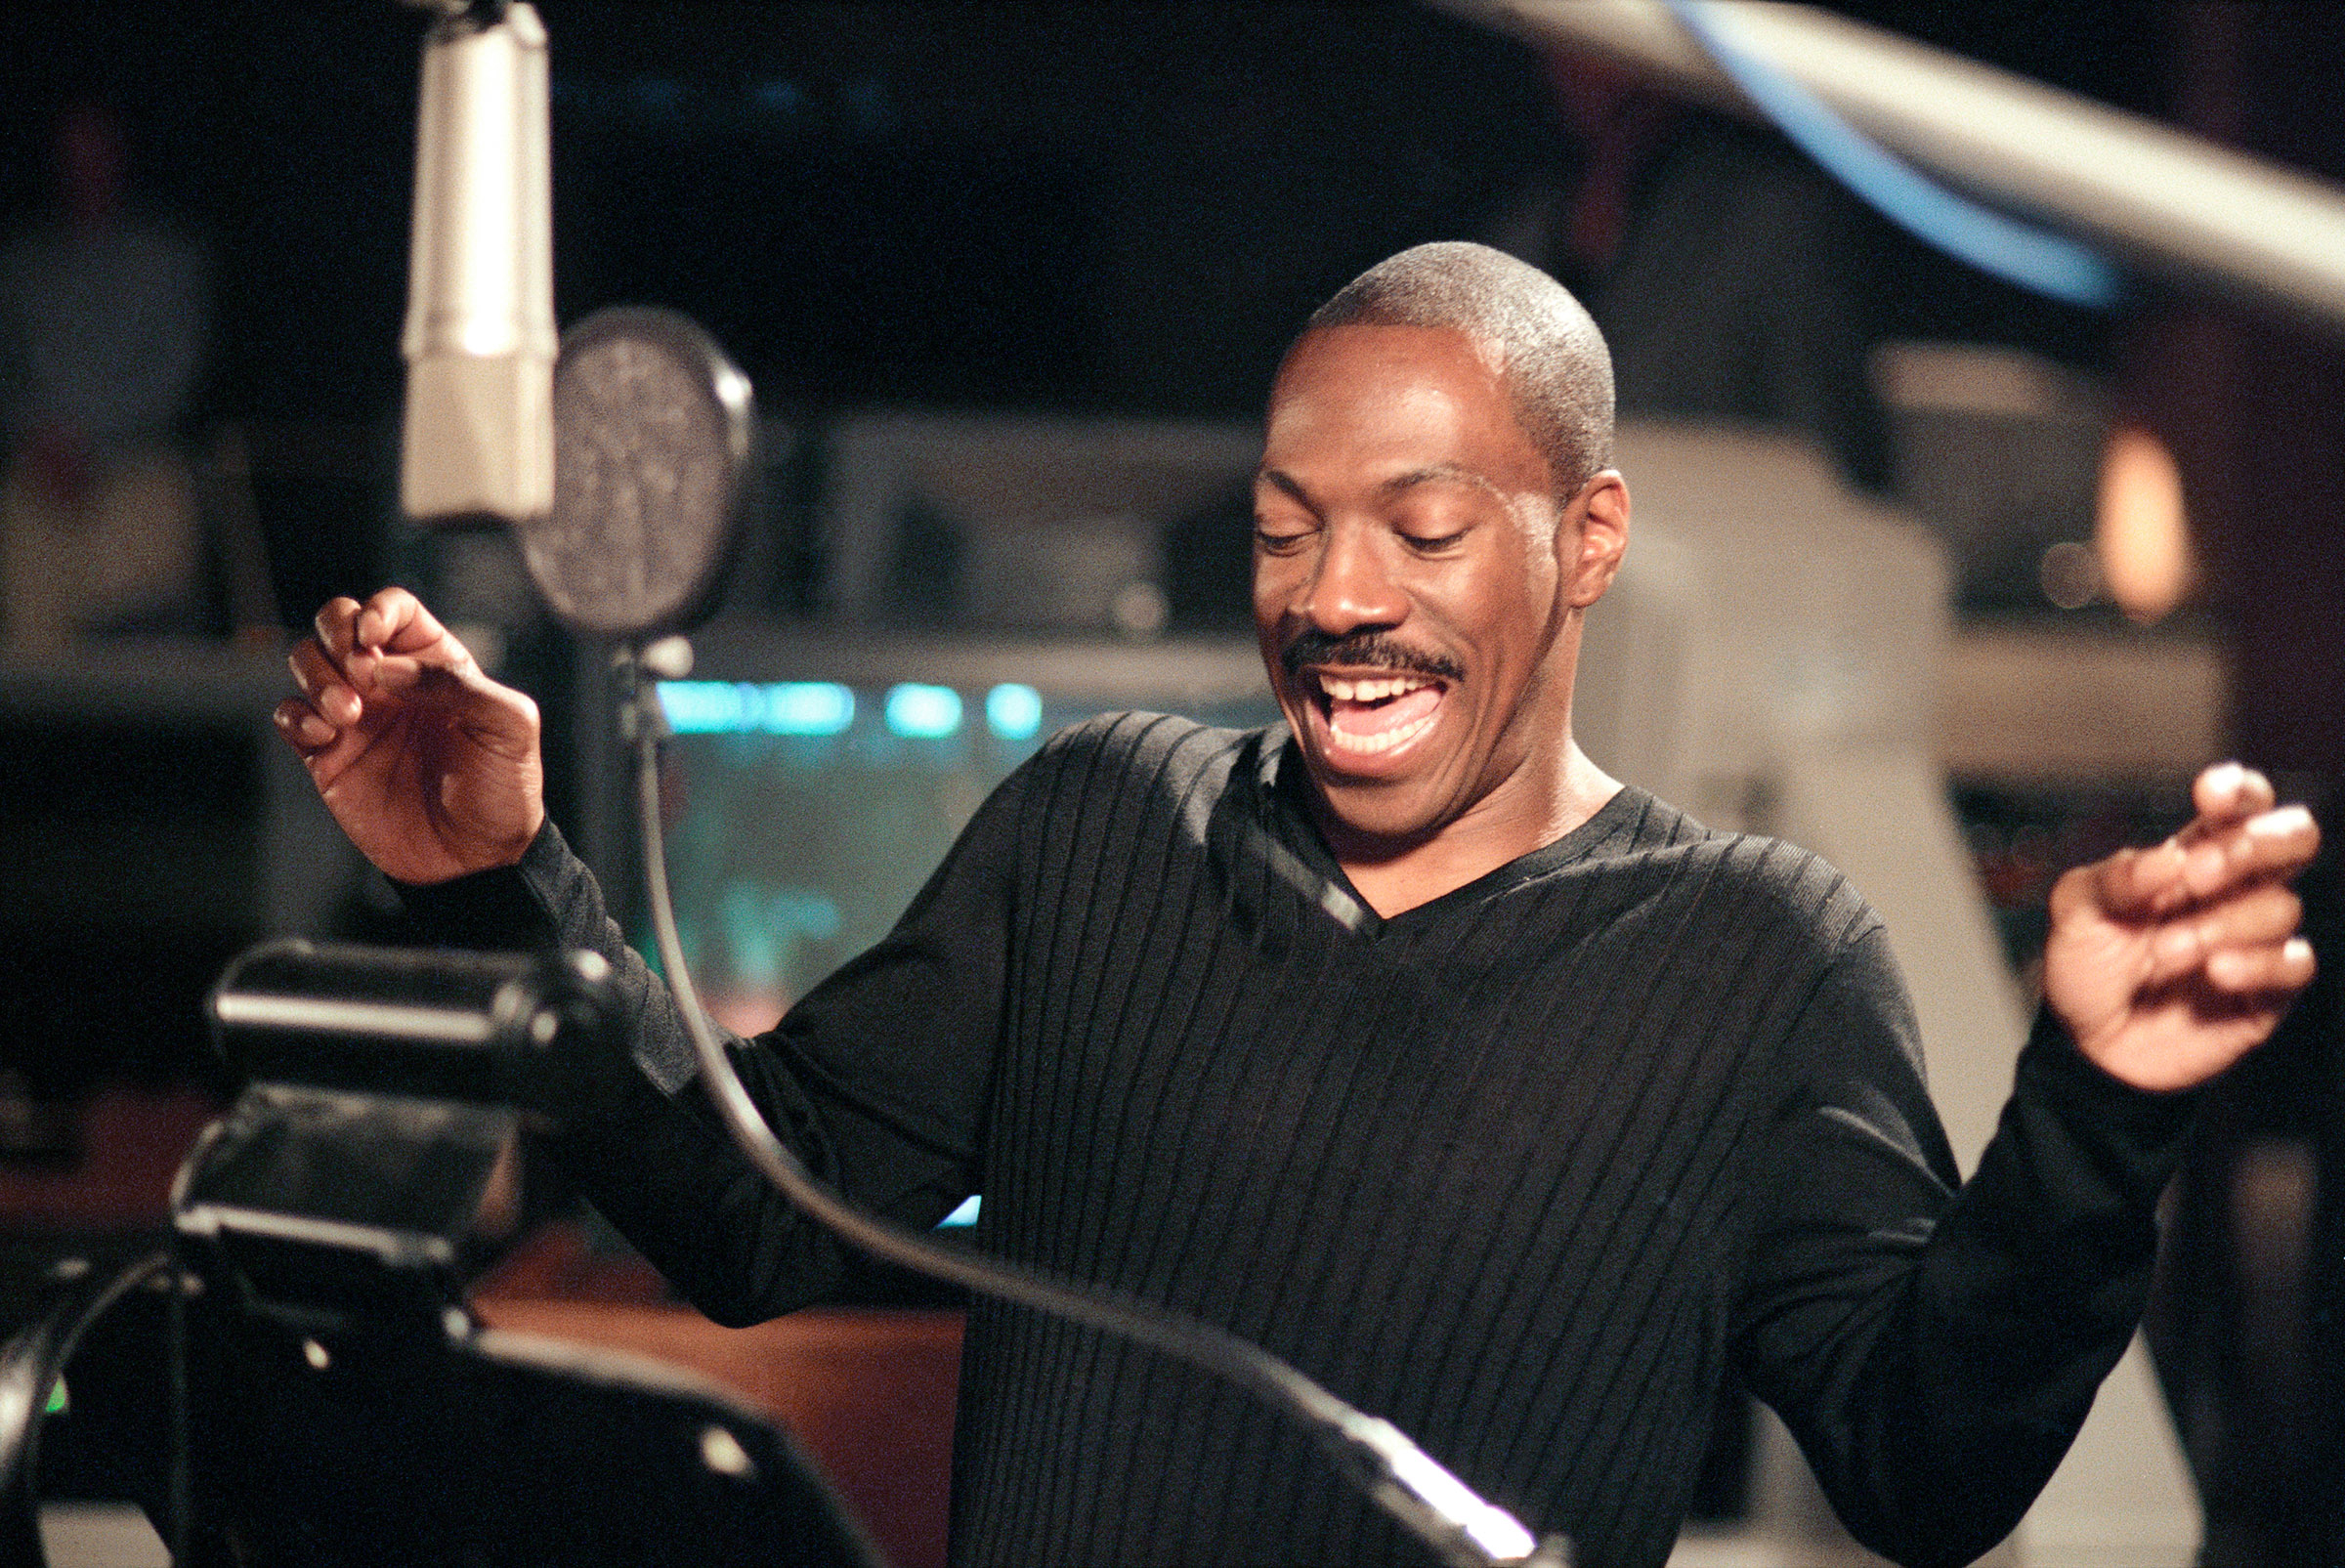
pixel 1128 208
pixel 1091 205
pixel 1105 206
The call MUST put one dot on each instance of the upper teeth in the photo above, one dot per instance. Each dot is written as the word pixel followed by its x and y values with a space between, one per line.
pixel 1376 691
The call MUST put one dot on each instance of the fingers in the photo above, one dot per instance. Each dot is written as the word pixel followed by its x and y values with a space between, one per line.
pixel 302 725
pixel 392 621
pixel 341 659
pixel 326 713
pixel 2275 845
pixel 329 689
pixel 2283 967
pixel 2212 858
pixel 2243 942
pixel 389 642
pixel 385 656
pixel 2212 900
pixel 335 626
pixel 385 646
pixel 2228 792
pixel 395 622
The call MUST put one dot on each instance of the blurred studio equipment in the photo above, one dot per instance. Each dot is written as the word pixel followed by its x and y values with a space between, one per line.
pixel 1729 275
pixel 297 1380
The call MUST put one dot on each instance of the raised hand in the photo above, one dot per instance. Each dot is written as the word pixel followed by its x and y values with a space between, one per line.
pixel 2168 964
pixel 430 767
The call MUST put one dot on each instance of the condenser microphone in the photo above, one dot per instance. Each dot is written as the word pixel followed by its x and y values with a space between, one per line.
pixel 477 442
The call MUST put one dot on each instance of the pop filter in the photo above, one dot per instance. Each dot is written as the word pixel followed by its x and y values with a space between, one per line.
pixel 653 434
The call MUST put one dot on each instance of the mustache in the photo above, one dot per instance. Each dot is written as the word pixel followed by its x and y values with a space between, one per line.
pixel 1374 650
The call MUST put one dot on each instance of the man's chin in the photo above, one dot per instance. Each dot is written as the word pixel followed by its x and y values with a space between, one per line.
pixel 1375 817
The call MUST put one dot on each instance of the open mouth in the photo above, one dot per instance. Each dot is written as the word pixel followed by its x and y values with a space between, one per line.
pixel 1367 716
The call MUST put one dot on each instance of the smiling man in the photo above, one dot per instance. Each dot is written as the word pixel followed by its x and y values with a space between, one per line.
pixel 1434 515
pixel 1571 1111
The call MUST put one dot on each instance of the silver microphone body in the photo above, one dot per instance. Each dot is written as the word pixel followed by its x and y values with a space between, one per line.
pixel 478 436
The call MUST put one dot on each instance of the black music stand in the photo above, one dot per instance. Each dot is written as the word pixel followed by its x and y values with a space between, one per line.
pixel 414 1447
pixel 301 1386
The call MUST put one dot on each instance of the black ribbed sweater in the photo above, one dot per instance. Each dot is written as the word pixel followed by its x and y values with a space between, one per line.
pixel 1527 1169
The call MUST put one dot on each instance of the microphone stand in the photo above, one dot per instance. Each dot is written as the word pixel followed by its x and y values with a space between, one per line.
pixel 1461 1528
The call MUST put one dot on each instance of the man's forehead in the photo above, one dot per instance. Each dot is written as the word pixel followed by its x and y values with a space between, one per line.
pixel 1407 370
pixel 1422 402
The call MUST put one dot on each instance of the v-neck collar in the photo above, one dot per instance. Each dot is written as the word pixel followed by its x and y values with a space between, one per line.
pixel 1284 787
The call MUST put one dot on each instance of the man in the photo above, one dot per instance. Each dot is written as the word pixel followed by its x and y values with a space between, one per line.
pixel 1583 1109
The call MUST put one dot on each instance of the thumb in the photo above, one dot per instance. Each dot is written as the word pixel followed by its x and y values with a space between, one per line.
pixel 391 643
pixel 403 652
pixel 501 719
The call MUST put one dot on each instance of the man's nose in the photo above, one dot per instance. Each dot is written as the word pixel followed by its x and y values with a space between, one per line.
pixel 1354 586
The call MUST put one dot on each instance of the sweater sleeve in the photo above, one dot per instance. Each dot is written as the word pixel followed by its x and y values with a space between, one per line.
pixel 1937 1349
pixel 878 1079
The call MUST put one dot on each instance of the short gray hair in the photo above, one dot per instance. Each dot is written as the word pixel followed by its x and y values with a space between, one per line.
pixel 1556 369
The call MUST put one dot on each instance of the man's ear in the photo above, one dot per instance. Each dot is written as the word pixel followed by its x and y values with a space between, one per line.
pixel 1600 539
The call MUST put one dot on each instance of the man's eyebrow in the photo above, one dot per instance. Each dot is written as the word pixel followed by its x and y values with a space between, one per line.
pixel 1436 474
pixel 1281 482
pixel 1431 473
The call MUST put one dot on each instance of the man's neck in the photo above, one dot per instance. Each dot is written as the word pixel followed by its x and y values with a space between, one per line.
pixel 1393 879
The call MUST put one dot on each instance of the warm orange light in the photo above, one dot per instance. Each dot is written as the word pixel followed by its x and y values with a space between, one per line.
pixel 2140 532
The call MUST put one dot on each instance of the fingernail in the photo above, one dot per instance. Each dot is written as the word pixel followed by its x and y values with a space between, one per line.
pixel 2281 824
pixel 2296 951
pixel 2226 776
